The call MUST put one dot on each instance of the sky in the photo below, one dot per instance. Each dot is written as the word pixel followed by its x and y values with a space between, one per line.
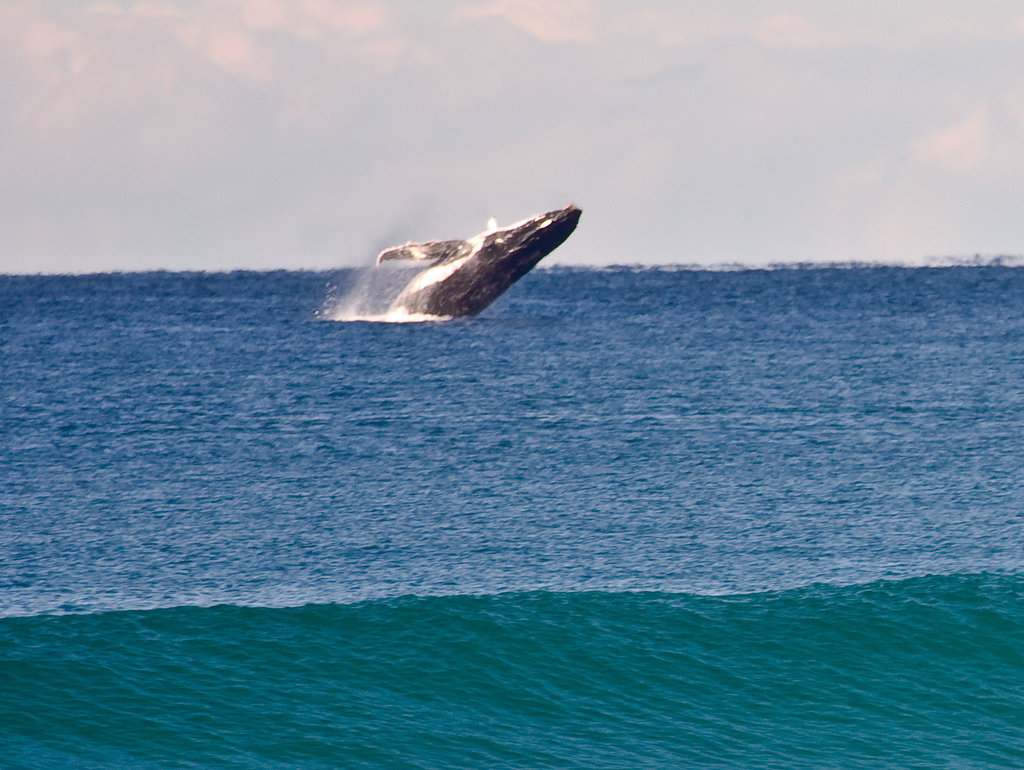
pixel 264 134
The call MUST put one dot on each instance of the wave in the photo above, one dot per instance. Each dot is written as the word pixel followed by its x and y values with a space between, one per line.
pixel 399 316
pixel 925 672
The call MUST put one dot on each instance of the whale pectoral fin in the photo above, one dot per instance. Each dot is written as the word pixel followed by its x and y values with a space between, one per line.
pixel 432 251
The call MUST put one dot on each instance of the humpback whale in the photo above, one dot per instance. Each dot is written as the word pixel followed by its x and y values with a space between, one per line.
pixel 464 277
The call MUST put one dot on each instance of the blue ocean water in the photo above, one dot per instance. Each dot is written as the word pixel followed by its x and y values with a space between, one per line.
pixel 625 518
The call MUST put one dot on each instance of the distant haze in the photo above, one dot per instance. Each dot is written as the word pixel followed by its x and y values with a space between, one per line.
pixel 224 134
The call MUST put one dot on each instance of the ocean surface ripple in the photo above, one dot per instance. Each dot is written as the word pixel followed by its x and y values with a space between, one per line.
pixel 626 518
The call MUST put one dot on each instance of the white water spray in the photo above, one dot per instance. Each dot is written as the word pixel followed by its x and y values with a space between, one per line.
pixel 371 295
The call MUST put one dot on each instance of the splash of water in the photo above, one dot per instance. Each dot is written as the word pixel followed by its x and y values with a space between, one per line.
pixel 371 296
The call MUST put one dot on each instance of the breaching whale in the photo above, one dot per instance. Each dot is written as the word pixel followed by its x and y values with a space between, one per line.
pixel 464 277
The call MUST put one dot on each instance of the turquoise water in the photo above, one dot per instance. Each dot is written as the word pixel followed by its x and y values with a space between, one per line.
pixel 626 518
pixel 925 672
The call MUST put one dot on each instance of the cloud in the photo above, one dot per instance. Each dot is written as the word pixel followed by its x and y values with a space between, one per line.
pixel 550 21
pixel 797 32
pixel 264 133
pixel 962 147
pixel 985 145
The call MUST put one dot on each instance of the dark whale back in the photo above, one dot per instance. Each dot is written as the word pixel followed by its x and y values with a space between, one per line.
pixel 466 278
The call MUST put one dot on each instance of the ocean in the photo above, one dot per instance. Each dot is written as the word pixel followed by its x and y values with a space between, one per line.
pixel 626 518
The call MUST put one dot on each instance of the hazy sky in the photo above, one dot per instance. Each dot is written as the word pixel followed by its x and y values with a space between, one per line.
pixel 221 134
